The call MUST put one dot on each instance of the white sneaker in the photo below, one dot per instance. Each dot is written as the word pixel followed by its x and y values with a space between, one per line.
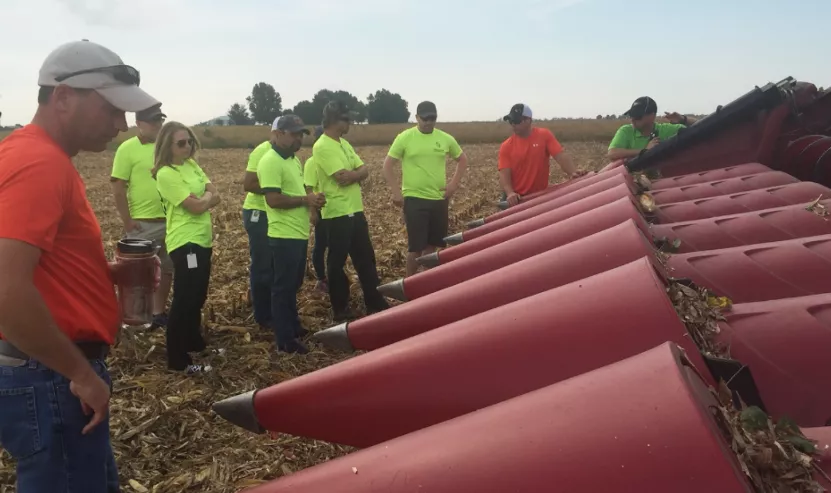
pixel 194 369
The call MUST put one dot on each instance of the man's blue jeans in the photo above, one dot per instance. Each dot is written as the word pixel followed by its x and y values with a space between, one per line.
pixel 260 269
pixel 289 256
pixel 40 427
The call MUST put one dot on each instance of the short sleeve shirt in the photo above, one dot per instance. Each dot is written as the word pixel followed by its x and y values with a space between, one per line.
pixel 528 159
pixel 310 175
pixel 255 201
pixel 424 161
pixel 176 183
pixel 133 163
pixel 628 137
pixel 278 174
pixel 332 156
pixel 43 203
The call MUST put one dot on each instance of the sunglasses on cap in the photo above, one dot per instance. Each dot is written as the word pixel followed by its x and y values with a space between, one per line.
pixel 184 142
pixel 122 73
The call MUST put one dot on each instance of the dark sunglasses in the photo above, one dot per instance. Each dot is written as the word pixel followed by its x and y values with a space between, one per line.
pixel 345 118
pixel 428 118
pixel 122 73
pixel 184 142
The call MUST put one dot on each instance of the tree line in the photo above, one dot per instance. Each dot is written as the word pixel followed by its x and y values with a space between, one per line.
pixel 264 104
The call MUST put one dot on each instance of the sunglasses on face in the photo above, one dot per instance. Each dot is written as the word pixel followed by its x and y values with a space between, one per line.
pixel 122 73
pixel 181 144
pixel 429 118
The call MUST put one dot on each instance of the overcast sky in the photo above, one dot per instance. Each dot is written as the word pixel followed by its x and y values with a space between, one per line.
pixel 474 59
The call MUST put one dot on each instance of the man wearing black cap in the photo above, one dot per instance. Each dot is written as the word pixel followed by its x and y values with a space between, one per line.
pixel 58 308
pixel 524 157
pixel 137 199
pixel 424 192
pixel 644 133
pixel 280 175
pixel 340 172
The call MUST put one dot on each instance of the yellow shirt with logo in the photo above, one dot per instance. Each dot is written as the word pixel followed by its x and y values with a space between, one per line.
pixel 278 174
pixel 423 161
pixel 330 157
pixel 133 163
pixel 175 184
pixel 255 201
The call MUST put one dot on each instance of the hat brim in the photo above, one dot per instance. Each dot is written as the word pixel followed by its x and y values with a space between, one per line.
pixel 294 130
pixel 425 115
pixel 131 99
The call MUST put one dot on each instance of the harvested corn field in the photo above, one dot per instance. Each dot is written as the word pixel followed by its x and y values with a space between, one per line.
pixel 165 436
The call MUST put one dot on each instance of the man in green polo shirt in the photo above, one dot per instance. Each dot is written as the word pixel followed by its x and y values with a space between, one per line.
pixel 424 192
pixel 260 274
pixel 137 199
pixel 280 176
pixel 340 172
pixel 643 133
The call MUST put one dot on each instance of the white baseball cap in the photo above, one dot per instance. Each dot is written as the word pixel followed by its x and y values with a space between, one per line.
pixel 87 65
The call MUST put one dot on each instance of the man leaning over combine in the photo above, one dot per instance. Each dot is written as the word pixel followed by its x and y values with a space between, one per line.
pixel 524 157
pixel 58 308
pixel 424 193
pixel 138 202
pixel 644 133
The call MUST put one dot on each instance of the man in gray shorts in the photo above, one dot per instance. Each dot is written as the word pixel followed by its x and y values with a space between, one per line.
pixel 137 199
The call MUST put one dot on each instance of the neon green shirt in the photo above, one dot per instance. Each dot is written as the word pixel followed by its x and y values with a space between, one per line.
pixel 628 137
pixel 254 201
pixel 278 174
pixel 310 175
pixel 132 163
pixel 176 183
pixel 332 156
pixel 423 161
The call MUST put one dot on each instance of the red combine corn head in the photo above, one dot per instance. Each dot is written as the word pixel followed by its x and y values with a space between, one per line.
pixel 666 321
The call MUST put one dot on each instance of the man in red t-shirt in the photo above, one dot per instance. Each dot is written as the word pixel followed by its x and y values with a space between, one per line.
pixel 58 308
pixel 524 156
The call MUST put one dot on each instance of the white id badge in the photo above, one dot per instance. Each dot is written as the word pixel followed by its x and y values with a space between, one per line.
pixel 191 261
pixel 255 216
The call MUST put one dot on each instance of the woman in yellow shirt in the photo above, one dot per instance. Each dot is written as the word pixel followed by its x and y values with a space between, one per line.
pixel 187 195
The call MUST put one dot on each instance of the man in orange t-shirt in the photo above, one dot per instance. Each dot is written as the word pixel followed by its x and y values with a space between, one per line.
pixel 58 308
pixel 524 157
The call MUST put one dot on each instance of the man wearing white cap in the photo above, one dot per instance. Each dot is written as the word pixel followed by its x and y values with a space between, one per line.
pixel 524 156
pixel 58 309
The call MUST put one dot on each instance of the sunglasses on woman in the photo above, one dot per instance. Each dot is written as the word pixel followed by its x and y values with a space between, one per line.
pixel 184 142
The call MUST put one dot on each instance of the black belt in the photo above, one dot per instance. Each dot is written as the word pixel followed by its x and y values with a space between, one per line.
pixel 91 350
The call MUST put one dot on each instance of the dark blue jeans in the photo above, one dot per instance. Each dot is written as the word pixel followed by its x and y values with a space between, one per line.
pixel 260 274
pixel 40 427
pixel 289 260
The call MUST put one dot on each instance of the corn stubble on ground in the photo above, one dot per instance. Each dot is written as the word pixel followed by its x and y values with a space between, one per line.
pixel 165 436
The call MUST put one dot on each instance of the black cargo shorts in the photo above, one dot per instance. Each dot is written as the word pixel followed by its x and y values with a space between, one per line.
pixel 426 222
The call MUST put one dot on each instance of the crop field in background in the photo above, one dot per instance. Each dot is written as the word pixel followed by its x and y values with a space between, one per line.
pixel 165 436
pixel 217 137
